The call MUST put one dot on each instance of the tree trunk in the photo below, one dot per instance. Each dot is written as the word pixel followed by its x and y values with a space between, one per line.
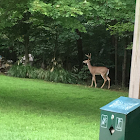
pixel 80 50
pixel 134 88
pixel 26 36
pixel 124 67
pixel 116 60
pixel 26 45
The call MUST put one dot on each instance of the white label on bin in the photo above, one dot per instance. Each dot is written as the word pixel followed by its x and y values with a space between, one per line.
pixel 104 121
pixel 119 124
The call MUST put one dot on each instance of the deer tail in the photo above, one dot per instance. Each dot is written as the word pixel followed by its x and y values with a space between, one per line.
pixel 107 72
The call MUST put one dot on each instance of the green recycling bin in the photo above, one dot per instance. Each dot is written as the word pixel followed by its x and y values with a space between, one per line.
pixel 120 120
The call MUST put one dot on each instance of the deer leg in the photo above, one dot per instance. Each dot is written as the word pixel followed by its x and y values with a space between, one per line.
pixel 108 82
pixel 91 82
pixel 105 79
pixel 93 79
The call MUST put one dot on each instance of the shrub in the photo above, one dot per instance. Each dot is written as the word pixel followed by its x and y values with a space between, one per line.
pixel 58 75
pixel 84 73
pixel 20 71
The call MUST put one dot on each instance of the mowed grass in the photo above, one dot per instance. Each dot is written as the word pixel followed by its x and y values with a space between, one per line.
pixel 39 110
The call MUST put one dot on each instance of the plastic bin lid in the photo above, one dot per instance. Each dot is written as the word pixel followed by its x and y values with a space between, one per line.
pixel 123 105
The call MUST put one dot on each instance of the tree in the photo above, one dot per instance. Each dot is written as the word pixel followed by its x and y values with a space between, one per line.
pixel 134 88
pixel 65 12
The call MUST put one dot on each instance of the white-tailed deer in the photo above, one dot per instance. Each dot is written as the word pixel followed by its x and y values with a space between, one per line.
pixel 94 70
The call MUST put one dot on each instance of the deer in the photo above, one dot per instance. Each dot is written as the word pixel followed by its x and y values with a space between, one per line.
pixel 97 70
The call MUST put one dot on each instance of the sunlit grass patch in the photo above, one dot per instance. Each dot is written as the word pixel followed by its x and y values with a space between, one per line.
pixel 39 110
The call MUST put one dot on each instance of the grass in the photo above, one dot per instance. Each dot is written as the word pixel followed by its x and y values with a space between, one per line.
pixel 39 110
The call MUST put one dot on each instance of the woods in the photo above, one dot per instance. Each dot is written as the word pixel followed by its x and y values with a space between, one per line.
pixel 60 33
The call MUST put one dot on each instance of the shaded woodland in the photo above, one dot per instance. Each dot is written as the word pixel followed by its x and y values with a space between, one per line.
pixel 58 33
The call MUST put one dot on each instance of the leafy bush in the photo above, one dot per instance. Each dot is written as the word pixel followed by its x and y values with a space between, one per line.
pixel 84 73
pixel 58 75
pixel 20 71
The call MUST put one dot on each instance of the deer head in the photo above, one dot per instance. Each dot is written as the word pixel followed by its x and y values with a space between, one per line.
pixel 88 56
pixel 88 60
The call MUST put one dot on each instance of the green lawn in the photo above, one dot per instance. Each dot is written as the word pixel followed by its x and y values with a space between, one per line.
pixel 39 110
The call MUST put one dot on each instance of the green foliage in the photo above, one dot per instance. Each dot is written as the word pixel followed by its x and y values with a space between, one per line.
pixel 66 12
pixel 20 71
pixel 121 29
pixel 58 75
pixel 60 8
pixel 83 74
pixel 130 46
